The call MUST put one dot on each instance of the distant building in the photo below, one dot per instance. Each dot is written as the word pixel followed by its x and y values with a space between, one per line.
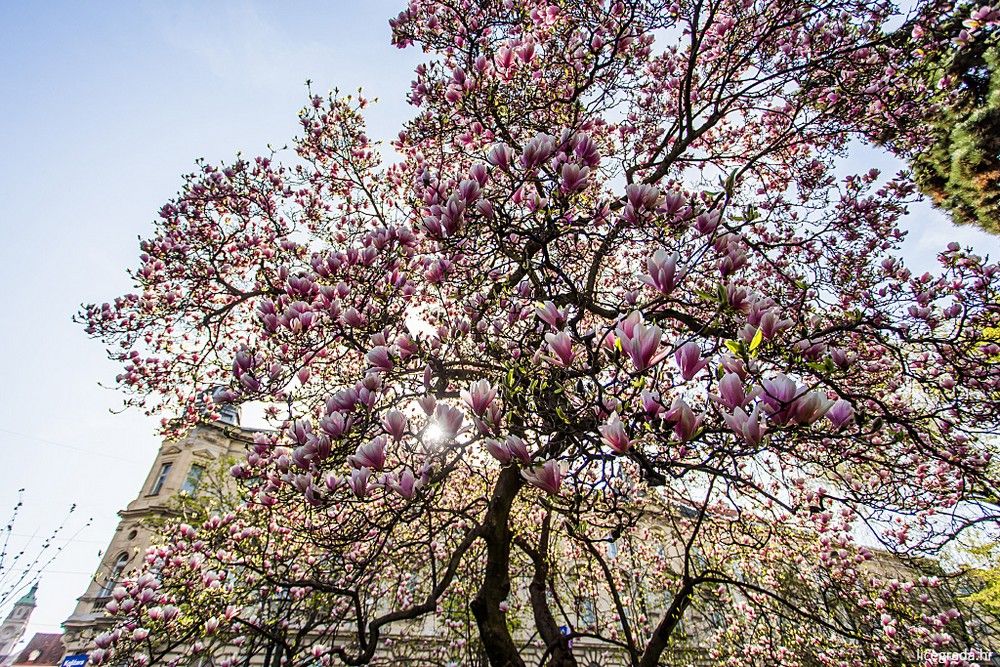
pixel 13 627
pixel 44 650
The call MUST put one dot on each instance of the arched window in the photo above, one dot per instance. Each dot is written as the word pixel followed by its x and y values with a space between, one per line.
pixel 116 573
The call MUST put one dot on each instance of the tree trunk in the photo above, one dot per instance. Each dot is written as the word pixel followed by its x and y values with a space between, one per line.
pixel 493 632
pixel 661 635
pixel 555 643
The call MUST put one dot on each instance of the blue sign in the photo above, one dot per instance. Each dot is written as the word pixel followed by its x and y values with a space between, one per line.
pixel 75 660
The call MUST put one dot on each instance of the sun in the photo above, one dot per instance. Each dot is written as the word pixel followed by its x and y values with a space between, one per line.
pixel 433 433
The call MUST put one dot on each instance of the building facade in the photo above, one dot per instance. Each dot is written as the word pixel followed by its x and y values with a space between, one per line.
pixel 179 467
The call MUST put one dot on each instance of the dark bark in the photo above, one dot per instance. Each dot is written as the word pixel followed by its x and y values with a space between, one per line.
pixel 665 628
pixel 556 645
pixel 493 632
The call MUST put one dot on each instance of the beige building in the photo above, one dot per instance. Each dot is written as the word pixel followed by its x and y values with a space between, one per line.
pixel 182 465
pixel 179 467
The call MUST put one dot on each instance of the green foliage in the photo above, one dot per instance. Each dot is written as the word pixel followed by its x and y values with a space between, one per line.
pixel 988 595
pixel 215 494
pixel 961 170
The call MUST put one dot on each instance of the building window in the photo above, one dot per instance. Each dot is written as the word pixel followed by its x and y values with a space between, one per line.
pixel 116 573
pixel 612 549
pixel 193 479
pixel 588 613
pixel 161 478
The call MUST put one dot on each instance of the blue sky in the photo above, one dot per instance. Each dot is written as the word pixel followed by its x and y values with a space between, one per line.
pixel 105 105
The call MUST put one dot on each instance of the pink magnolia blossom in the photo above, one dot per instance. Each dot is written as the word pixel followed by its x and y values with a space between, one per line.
pixel 370 455
pixel 662 272
pixel 537 150
pixel 771 323
pixel 428 404
pixel 688 358
pixel 358 481
pixel 498 450
pixel 479 396
pixel 640 343
pixel 613 434
pixel 651 404
pixel 778 395
pixel 406 484
pixel 335 425
pixel 449 420
pixel 731 394
pixel 548 477
pixel 642 196
pixel 561 347
pixel 747 426
pixel 394 422
pixel 811 406
pixel 500 156
pixel 685 421
pixel 573 178
pixel 334 482
pixel 551 315
pixel 518 449
pixel 840 414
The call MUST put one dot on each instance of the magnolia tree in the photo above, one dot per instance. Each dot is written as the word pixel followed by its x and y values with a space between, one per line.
pixel 609 363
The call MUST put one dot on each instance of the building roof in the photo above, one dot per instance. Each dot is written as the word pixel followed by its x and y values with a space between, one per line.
pixel 45 648
pixel 28 599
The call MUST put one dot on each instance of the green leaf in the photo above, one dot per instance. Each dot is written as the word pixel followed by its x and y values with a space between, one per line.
pixel 730 183
pixel 708 296
pixel 758 338
pixel 733 346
